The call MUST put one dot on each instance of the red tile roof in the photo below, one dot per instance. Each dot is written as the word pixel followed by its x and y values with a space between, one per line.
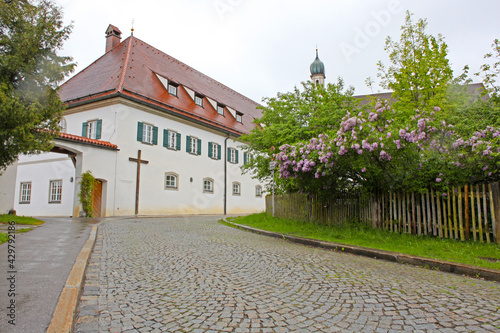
pixel 81 139
pixel 129 70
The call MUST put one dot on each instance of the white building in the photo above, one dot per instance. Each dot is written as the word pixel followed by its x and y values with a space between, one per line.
pixel 138 101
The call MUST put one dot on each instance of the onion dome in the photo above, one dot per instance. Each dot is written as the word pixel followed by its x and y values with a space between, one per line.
pixel 317 67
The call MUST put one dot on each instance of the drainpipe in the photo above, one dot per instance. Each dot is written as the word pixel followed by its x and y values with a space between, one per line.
pixel 225 174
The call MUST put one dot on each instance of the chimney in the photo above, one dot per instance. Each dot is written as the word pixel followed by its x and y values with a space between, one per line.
pixel 113 37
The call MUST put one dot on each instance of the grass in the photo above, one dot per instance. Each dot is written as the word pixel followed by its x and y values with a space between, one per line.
pixel 5 219
pixel 483 255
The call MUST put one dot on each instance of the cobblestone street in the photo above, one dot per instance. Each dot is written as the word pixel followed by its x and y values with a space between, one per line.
pixel 192 274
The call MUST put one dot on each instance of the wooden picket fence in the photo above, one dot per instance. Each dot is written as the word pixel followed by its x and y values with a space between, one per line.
pixel 468 212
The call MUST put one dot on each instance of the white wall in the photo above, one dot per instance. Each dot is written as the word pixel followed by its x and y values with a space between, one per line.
pixel 40 170
pixel 7 188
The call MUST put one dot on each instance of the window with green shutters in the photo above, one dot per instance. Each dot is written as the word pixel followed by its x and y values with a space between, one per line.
pixel 171 140
pixel 247 157
pixel 232 155
pixel 214 150
pixel 193 145
pixel 147 133
pixel 92 129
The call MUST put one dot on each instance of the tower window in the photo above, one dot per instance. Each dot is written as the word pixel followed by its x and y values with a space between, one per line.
pixel 172 89
pixel 198 100
pixel 239 117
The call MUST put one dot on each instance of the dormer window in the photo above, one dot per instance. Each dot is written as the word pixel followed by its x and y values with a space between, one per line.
pixel 198 100
pixel 239 117
pixel 172 88
pixel 220 109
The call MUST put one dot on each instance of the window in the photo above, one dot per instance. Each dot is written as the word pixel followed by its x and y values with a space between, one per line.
pixel 236 188
pixel 25 193
pixel 220 109
pixel 232 155
pixel 198 100
pixel 258 191
pixel 193 145
pixel 171 181
pixel 171 140
pixel 147 133
pixel 63 125
pixel 92 129
pixel 239 117
pixel 247 157
pixel 208 185
pixel 55 191
pixel 214 150
pixel 172 88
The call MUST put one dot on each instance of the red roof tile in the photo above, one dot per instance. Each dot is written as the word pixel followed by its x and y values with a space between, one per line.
pixel 130 69
pixel 81 139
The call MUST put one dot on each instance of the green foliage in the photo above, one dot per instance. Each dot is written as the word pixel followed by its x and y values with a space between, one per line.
pixel 420 73
pixel 5 218
pixel 85 195
pixel 360 234
pixel 491 72
pixel 293 117
pixel 31 33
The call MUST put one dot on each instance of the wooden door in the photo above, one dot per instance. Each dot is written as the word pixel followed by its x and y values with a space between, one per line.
pixel 96 198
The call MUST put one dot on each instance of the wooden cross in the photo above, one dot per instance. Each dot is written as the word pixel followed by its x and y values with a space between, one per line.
pixel 138 161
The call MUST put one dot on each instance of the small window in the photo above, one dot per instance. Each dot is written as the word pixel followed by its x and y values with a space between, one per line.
pixel 171 181
pixel 194 146
pixel 208 185
pixel 258 191
pixel 232 155
pixel 247 157
pixel 198 100
pixel 236 188
pixel 55 191
pixel 214 151
pixel 25 193
pixel 63 125
pixel 172 140
pixel 220 109
pixel 172 89
pixel 239 117
pixel 92 129
pixel 147 133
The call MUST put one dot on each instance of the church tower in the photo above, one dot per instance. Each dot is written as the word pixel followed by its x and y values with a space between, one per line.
pixel 318 71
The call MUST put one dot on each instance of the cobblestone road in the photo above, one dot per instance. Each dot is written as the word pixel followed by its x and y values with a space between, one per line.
pixel 196 275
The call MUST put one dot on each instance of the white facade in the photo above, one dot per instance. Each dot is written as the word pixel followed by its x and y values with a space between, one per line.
pixel 200 182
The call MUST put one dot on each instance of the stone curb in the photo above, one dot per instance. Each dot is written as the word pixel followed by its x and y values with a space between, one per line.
pixel 64 314
pixel 445 266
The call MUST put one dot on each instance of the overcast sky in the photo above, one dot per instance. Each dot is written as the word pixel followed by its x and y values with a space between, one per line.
pixel 262 47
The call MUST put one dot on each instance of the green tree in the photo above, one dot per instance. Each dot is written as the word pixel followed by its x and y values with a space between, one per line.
pixel 295 117
pixel 420 73
pixel 491 72
pixel 31 33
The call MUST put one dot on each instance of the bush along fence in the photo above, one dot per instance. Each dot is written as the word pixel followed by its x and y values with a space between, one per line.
pixel 463 213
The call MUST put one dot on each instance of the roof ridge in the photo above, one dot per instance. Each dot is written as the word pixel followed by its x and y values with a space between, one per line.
pixel 125 64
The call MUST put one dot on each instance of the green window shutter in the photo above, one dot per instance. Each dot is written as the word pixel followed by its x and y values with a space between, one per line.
pixel 139 131
pixel 210 149
pixel 155 135
pixel 218 151
pixel 84 129
pixel 229 154
pixel 165 138
pixel 178 141
pixel 199 146
pixel 244 158
pixel 188 143
pixel 99 128
pixel 236 150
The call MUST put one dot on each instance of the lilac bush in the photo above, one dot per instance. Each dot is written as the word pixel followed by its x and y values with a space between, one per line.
pixel 371 150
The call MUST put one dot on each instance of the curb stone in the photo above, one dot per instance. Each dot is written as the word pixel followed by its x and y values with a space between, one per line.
pixel 64 314
pixel 445 266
